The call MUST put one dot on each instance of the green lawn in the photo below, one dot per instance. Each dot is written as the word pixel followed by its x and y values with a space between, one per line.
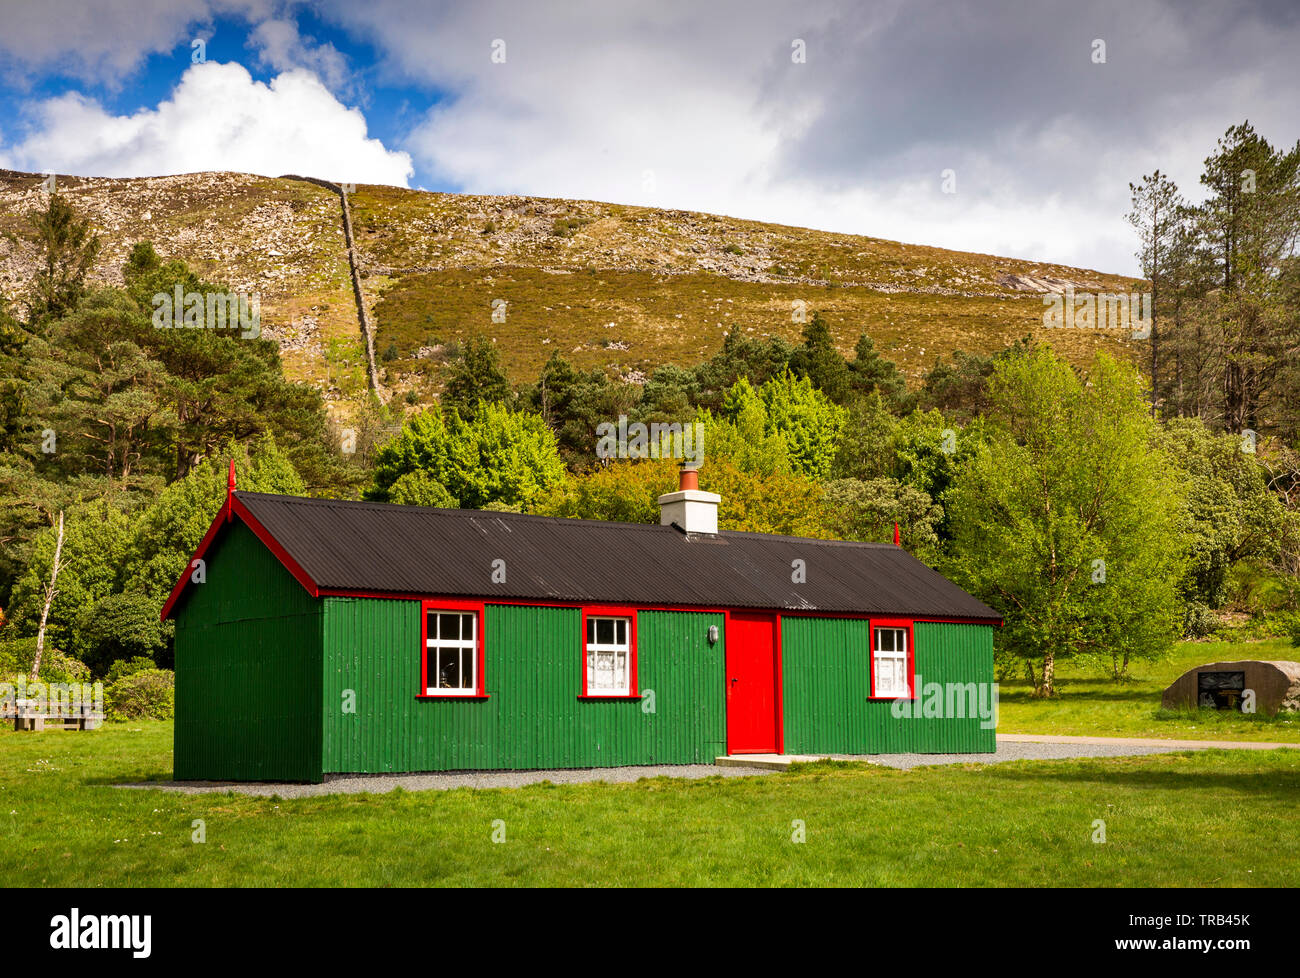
pixel 1171 820
pixel 1090 705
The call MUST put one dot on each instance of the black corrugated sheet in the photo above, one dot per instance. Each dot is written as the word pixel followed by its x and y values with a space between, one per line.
pixel 382 548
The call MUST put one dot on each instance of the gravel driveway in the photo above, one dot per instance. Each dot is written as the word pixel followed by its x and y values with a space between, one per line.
pixel 382 783
pixel 1012 751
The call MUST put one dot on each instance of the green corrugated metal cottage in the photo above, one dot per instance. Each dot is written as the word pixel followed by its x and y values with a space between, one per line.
pixel 318 637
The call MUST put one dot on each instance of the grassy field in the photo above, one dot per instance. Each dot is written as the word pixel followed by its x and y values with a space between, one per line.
pixel 1089 705
pixel 1170 820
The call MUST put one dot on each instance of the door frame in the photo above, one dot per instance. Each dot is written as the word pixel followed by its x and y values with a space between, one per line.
pixel 778 691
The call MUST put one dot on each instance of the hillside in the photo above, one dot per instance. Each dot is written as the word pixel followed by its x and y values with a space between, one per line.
pixel 608 285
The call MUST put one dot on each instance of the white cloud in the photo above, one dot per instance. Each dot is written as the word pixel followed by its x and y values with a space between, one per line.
pixel 106 40
pixel 217 118
pixel 705 97
pixel 281 47
pixel 698 106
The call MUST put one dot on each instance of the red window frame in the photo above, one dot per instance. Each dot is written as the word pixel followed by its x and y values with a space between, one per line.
pixel 906 625
pixel 611 611
pixel 452 604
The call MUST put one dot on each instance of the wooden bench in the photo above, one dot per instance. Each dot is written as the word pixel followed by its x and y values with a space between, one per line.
pixel 27 715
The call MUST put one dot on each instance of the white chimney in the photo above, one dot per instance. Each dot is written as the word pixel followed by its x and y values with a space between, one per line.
pixel 692 510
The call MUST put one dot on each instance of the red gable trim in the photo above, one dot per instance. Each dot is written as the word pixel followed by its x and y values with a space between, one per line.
pixel 232 508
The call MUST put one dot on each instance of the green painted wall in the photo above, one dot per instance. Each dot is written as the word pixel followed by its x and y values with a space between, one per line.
pixel 272 684
pixel 248 675
pixel 826 676
pixel 533 717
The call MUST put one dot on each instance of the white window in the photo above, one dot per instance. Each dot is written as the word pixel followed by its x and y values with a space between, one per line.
pixel 609 657
pixel 889 659
pixel 451 653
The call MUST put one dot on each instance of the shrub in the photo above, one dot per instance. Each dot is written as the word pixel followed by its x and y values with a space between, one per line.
pixel 1199 620
pixel 120 626
pixel 128 667
pixel 16 657
pixel 563 227
pixel 149 694
pixel 1289 625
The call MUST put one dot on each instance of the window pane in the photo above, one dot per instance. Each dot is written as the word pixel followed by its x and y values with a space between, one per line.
pixel 591 631
pixel 891 675
pixel 884 676
pixel 467 627
pixel 448 668
pixel 605 631
pixel 622 631
pixel 468 664
pixel 449 627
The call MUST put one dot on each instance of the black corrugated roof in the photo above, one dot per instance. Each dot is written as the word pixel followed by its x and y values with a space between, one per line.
pixel 383 548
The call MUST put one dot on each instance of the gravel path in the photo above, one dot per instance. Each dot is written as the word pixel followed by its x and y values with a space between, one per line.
pixel 382 783
pixel 1019 750
pixel 1013 751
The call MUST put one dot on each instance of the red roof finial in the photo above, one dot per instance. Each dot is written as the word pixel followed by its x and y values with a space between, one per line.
pixel 896 540
pixel 230 483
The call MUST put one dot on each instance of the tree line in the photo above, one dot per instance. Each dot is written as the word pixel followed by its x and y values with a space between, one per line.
pixel 1103 530
pixel 1225 283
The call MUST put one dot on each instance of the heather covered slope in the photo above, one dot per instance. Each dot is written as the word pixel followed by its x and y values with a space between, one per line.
pixel 623 287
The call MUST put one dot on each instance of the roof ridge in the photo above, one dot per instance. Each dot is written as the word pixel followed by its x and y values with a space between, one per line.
pixel 458 512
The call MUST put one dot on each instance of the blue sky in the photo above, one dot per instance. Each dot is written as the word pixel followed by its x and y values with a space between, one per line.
pixel 822 113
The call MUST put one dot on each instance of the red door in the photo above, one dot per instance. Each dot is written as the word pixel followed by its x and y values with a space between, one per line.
pixel 751 684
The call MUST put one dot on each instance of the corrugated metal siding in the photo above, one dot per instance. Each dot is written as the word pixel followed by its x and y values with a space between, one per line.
pixel 248 679
pixel 533 717
pixel 826 677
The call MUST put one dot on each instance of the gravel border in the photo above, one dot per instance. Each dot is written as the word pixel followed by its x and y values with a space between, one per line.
pixel 383 783
pixel 351 784
pixel 1015 751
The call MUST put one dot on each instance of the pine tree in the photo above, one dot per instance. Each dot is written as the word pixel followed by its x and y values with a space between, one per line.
pixel 1155 214
pixel 66 247
pixel 819 361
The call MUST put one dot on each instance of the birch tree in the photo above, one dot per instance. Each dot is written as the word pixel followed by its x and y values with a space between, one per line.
pixel 50 591
pixel 1070 521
